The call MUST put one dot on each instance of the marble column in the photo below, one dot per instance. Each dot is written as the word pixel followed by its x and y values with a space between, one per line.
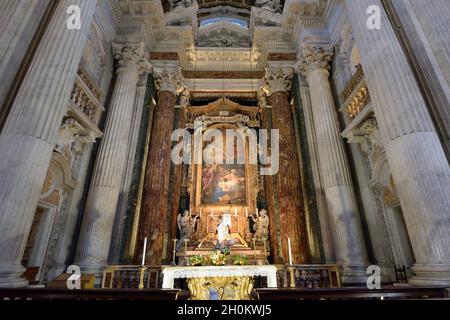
pixel 276 245
pixel 425 25
pixel 419 167
pixel 154 206
pixel 334 170
pixel 106 184
pixel 292 213
pixel 19 21
pixel 322 209
pixel 30 132
pixel 129 168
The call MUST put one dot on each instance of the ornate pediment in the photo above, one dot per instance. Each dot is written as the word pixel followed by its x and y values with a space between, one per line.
pixel 226 111
pixel 223 105
pixel 223 34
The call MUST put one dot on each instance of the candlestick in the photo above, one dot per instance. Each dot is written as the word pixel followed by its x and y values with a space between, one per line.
pixel 143 253
pixel 290 252
pixel 254 250
pixel 292 276
pixel 174 252
pixel 265 251
pixel 185 251
pixel 141 277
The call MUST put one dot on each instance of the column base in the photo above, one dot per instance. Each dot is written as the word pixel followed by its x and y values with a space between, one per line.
pixel 430 275
pixel 96 270
pixel 354 275
pixel 12 277
pixel 55 271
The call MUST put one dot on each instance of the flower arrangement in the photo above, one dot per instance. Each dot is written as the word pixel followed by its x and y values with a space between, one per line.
pixel 218 258
pixel 240 259
pixel 199 260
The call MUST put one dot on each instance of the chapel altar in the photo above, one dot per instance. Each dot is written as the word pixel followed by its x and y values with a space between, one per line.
pixel 221 283
pixel 232 207
pixel 223 194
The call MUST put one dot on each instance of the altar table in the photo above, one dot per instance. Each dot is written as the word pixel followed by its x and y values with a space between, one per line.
pixel 171 273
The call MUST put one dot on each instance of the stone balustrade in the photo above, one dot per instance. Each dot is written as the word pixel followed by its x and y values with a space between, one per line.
pixel 85 96
pixel 356 95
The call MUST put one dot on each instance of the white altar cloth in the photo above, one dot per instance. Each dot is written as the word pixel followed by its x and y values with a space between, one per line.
pixel 172 273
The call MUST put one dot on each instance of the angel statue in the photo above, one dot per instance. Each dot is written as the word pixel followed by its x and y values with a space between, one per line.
pixel 179 4
pixel 273 6
pixel 261 226
pixel 186 225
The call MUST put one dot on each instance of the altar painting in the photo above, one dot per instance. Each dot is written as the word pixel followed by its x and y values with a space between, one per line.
pixel 223 184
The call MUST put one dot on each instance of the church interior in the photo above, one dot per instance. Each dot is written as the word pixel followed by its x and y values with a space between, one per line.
pixel 117 118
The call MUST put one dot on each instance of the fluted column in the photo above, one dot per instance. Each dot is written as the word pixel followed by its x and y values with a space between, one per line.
pixel 334 169
pixel 322 209
pixel 96 230
pixel 128 175
pixel 30 131
pixel 154 207
pixel 19 20
pixel 419 167
pixel 292 214
pixel 432 28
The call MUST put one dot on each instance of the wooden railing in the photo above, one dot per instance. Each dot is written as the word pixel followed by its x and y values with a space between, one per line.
pixel 46 294
pixel 309 276
pixel 131 277
pixel 360 293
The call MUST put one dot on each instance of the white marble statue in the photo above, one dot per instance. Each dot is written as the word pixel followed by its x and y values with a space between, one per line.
pixel 179 4
pixel 273 6
pixel 223 229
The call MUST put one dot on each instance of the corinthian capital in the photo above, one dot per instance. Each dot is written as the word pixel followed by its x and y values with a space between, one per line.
pixel 169 81
pixel 314 57
pixel 277 80
pixel 131 55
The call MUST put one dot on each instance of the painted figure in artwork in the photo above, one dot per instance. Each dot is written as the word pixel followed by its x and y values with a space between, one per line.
pixel 223 184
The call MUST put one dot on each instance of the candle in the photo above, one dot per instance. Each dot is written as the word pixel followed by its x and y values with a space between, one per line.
pixel 246 211
pixel 235 212
pixel 257 212
pixel 143 254
pixel 190 211
pixel 290 252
